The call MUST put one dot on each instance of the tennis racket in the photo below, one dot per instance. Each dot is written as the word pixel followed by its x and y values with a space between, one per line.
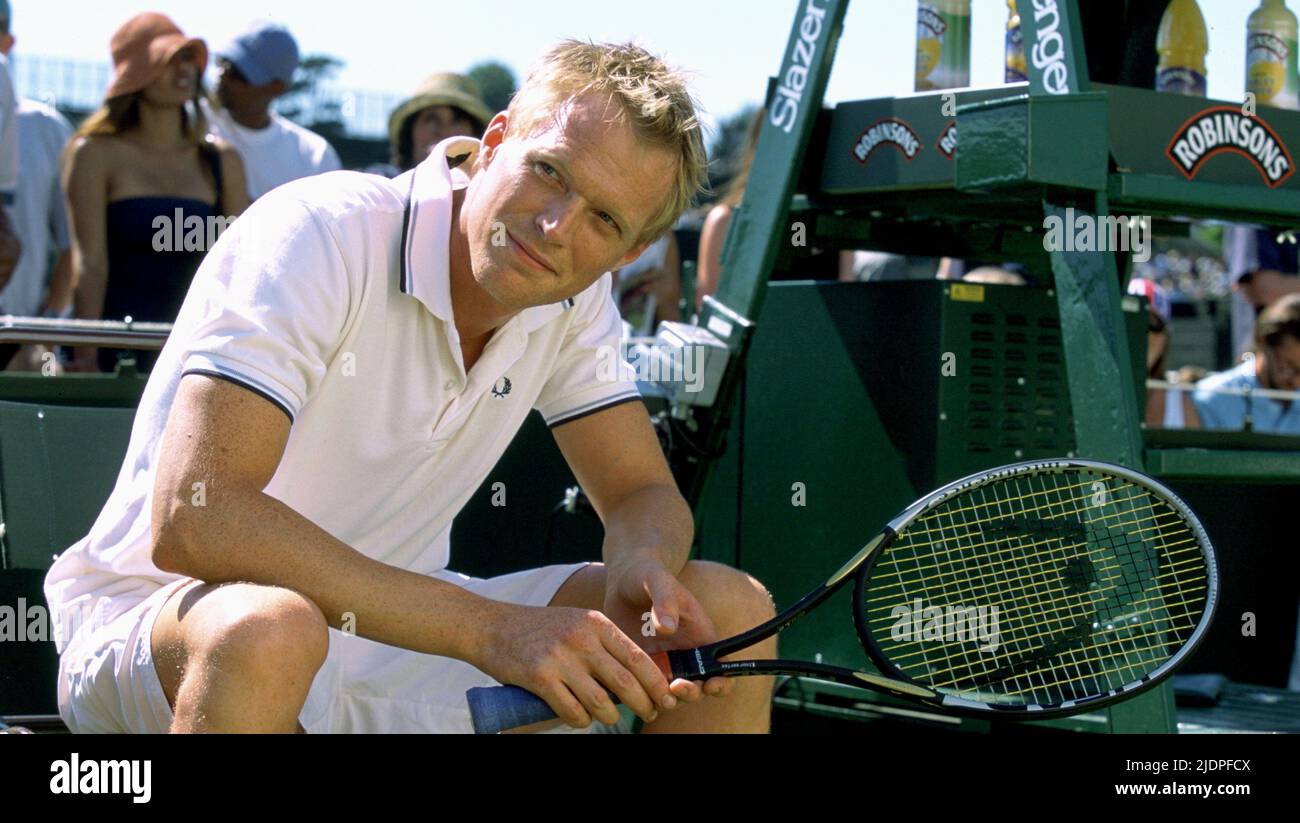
pixel 1031 590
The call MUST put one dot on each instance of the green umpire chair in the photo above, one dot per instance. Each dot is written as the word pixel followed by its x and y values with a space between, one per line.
pixel 62 441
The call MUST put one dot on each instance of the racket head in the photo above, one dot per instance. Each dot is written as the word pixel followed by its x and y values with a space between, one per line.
pixel 1038 589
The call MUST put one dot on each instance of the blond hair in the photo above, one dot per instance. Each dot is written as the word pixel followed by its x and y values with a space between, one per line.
pixel 651 96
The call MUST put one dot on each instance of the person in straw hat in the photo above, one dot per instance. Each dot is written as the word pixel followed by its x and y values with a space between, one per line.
pixel 443 105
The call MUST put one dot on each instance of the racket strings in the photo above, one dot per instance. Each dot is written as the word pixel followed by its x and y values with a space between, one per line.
pixel 1047 506
pixel 936 675
pixel 1090 585
pixel 1188 612
pixel 1078 665
pixel 1027 655
pixel 938 578
pixel 886 611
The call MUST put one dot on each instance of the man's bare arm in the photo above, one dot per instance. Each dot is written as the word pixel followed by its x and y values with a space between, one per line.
pixel 221 448
pixel 617 459
pixel 230 440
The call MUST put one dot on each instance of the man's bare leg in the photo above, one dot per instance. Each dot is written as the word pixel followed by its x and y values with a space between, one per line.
pixel 734 602
pixel 238 657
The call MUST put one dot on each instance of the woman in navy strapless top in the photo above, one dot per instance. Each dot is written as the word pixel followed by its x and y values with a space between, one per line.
pixel 146 186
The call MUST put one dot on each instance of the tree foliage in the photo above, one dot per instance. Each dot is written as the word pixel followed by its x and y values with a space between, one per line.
pixel 307 102
pixel 496 81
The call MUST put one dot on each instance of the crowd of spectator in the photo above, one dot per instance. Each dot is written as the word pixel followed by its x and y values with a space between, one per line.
pixel 164 160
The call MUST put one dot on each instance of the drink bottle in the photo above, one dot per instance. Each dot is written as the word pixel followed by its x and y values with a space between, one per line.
pixel 1271 55
pixel 1182 43
pixel 1017 71
pixel 942 44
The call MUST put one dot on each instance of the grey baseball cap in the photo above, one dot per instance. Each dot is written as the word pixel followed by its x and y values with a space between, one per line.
pixel 265 52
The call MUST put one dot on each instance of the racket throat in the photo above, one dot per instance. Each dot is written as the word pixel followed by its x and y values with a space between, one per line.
pixel 695 664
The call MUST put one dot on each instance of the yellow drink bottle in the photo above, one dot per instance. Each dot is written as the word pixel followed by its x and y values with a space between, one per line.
pixel 942 44
pixel 1017 71
pixel 1271 55
pixel 1182 43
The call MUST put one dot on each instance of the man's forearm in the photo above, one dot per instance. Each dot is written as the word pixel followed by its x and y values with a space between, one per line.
pixel 652 523
pixel 251 536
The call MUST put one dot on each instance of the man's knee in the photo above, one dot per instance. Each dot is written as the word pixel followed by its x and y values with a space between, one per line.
pixel 242 629
pixel 729 595
pixel 267 626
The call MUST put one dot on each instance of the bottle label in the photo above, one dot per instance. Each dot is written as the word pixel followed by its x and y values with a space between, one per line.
pixel 1271 69
pixel 1181 81
pixel 1017 69
pixel 942 49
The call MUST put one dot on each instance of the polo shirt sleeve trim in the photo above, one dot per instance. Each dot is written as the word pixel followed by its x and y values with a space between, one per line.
pixel 201 364
pixel 592 408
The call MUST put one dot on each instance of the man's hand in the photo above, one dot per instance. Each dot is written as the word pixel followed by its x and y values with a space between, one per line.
pixel 569 658
pixel 648 602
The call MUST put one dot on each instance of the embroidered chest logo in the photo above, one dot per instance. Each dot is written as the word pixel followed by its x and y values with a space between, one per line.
pixel 502 387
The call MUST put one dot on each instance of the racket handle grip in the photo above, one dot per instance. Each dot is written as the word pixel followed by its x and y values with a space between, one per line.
pixel 495 709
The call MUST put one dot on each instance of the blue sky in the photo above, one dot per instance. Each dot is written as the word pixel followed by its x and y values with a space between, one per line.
pixel 731 46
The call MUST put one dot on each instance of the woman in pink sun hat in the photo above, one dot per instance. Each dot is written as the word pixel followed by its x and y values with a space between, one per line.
pixel 147 189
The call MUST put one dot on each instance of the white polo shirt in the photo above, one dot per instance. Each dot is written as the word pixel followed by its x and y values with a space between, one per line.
pixel 330 297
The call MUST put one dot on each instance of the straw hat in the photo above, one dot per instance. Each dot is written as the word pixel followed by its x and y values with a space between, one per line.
pixel 442 89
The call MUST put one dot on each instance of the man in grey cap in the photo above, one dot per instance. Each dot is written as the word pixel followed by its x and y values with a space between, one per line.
pixel 257 67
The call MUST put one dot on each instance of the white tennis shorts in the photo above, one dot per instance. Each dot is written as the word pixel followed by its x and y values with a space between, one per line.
pixel 108 683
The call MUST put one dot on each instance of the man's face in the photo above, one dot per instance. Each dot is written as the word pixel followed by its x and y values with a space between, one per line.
pixel 235 92
pixel 232 88
pixel 547 215
pixel 1281 366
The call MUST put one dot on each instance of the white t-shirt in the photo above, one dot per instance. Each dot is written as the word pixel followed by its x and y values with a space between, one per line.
pixel 331 298
pixel 8 134
pixel 273 156
pixel 39 216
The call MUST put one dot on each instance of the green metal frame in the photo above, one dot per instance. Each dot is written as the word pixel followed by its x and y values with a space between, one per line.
pixel 1026 153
